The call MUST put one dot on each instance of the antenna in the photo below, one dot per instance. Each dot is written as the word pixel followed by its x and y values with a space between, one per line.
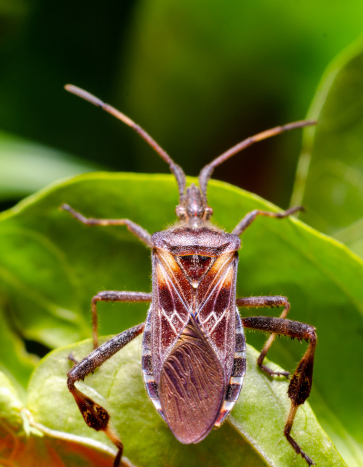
pixel 206 172
pixel 175 169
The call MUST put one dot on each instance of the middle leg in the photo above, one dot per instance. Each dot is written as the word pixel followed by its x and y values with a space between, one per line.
pixel 259 302
pixel 114 296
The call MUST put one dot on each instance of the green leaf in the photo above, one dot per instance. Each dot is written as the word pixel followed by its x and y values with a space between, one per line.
pixel 14 360
pixel 51 266
pixel 213 79
pixel 253 432
pixel 10 405
pixel 25 443
pixel 329 179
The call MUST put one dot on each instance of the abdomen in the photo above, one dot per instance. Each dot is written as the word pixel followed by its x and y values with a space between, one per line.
pixel 191 388
pixel 191 394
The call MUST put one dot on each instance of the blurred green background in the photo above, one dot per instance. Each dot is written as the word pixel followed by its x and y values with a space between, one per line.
pixel 198 76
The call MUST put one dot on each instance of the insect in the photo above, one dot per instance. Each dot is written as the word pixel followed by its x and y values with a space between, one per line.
pixel 193 349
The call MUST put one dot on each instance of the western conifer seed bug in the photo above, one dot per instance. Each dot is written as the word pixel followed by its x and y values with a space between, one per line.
pixel 193 350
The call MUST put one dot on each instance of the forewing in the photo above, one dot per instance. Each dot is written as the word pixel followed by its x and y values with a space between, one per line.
pixel 192 387
pixel 172 299
pixel 215 307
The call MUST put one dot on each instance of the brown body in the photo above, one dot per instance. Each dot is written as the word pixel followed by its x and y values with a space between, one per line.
pixel 193 357
pixel 189 345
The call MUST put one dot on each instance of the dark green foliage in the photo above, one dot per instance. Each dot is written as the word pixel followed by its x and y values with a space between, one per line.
pixel 51 266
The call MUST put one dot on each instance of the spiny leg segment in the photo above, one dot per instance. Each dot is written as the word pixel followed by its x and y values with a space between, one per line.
pixel 94 414
pixel 301 381
pixel 258 302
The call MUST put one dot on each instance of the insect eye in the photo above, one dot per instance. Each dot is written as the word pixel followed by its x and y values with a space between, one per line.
pixel 180 212
pixel 208 212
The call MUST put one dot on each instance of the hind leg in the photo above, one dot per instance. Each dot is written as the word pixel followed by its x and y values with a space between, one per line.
pixel 94 414
pixel 301 381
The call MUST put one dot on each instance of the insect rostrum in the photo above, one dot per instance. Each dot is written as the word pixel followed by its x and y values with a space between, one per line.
pixel 193 351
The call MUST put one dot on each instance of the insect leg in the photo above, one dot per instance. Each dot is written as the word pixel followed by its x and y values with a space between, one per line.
pixel 136 229
pixel 251 216
pixel 114 296
pixel 257 302
pixel 301 381
pixel 94 414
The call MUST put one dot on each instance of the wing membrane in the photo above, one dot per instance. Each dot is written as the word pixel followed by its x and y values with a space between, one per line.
pixel 216 306
pixel 192 387
pixel 172 301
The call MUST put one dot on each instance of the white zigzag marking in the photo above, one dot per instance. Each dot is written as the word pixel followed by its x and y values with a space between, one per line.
pixel 213 315
pixel 170 318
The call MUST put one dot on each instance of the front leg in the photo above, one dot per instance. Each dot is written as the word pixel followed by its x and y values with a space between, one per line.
pixel 114 296
pixel 301 381
pixel 251 216
pixel 94 414
pixel 259 302
pixel 136 229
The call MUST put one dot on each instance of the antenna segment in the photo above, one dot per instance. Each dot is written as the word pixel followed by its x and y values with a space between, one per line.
pixel 207 171
pixel 175 168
